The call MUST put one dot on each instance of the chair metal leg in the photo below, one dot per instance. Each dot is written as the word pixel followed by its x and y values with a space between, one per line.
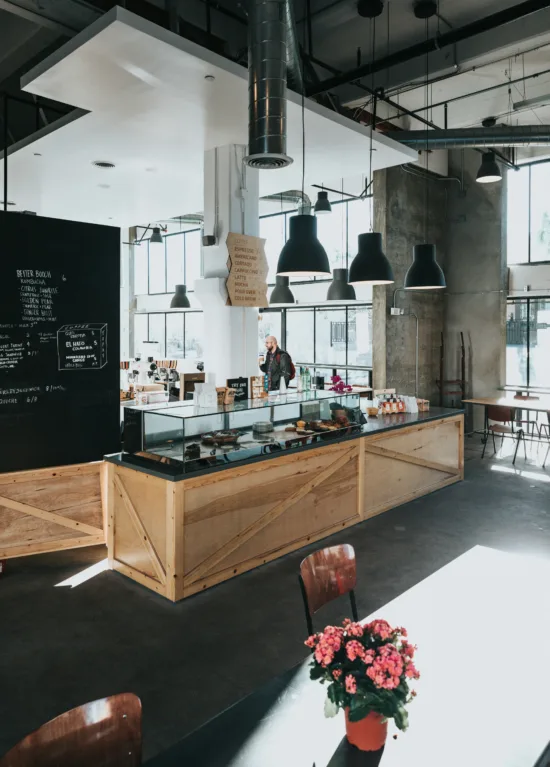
pixel 494 445
pixel 353 605
pixel 524 446
pixel 546 457
pixel 517 445
pixel 306 607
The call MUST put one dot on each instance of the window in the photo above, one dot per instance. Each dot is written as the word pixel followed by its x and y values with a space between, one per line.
pixel 528 343
pixel 159 268
pixel 528 214
pixel 178 334
pixel 324 338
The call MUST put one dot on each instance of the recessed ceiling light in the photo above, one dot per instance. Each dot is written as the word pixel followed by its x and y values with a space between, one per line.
pixel 104 186
pixel 37 154
pixel 103 164
pixel 151 170
pixel 210 78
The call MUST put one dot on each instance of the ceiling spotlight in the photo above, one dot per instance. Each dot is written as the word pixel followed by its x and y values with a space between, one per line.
pixel 210 78
pixel 370 9
pixel 322 205
pixel 103 164
pixel 488 170
pixel 425 9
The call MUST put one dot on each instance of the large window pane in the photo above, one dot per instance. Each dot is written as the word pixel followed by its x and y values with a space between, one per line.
pixel 517 247
pixel 157 330
pixel 193 335
pixel 539 342
pixel 516 343
pixel 141 331
pixel 330 336
pixel 540 212
pixel 299 334
pixel 174 336
pixel 269 324
pixel 273 229
pixel 332 234
pixel 360 336
pixel 157 268
pixel 141 269
pixel 174 262
pixel 193 268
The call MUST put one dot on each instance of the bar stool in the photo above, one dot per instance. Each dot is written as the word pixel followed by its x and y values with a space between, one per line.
pixel 326 575
pixel 503 419
pixel 104 732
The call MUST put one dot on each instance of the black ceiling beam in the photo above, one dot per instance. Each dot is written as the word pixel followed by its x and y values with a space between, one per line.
pixel 452 37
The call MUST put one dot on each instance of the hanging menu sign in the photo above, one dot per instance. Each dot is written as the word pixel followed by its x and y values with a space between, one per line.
pixel 247 265
pixel 59 326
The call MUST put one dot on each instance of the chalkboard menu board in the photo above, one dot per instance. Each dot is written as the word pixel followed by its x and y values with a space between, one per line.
pixel 59 341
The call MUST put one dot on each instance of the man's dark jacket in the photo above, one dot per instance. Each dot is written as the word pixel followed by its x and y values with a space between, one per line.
pixel 280 366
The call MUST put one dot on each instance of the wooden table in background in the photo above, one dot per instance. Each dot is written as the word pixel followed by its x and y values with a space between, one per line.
pixel 539 405
pixel 480 623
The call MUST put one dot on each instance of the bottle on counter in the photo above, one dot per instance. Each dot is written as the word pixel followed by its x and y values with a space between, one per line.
pixel 394 403
pixel 400 405
pixel 282 385
pixel 300 381
pixel 307 380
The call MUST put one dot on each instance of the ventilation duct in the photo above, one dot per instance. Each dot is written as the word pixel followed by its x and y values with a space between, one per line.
pixel 267 70
pixel 293 65
pixel 293 197
pixel 476 138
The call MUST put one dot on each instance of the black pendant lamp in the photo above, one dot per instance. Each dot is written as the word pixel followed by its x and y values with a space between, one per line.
pixel 179 299
pixel 370 265
pixel 488 170
pixel 424 272
pixel 339 288
pixel 156 237
pixel 322 206
pixel 281 293
pixel 303 255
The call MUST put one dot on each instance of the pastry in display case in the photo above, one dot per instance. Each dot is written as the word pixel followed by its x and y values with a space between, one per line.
pixel 185 438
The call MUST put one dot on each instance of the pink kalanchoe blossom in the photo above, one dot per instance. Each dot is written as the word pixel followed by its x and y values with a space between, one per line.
pixel 368 657
pixel 407 649
pixel 337 673
pixel 355 649
pixel 354 629
pixel 380 628
pixel 351 684
pixel 311 641
pixel 411 671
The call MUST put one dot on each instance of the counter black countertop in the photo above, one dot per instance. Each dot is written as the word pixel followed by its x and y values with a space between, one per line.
pixel 373 426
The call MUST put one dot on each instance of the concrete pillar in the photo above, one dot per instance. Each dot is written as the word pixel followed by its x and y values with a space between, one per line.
pixel 476 272
pixel 401 215
pixel 231 198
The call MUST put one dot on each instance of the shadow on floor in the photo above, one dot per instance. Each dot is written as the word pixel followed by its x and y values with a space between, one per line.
pixel 63 646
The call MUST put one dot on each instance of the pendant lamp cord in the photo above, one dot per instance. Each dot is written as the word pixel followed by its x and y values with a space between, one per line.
pixel 304 119
pixel 373 114
pixel 427 153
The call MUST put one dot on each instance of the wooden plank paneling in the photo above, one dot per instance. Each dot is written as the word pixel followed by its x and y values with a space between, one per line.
pixel 50 509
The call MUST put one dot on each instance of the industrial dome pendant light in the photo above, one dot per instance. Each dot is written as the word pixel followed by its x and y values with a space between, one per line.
pixel 370 265
pixel 281 293
pixel 322 206
pixel 339 288
pixel 489 171
pixel 424 272
pixel 180 299
pixel 156 237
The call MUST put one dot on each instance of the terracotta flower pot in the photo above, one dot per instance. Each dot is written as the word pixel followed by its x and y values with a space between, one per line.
pixel 369 734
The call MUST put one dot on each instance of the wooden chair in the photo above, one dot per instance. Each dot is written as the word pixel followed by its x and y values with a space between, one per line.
pixel 325 575
pixel 103 733
pixel 500 420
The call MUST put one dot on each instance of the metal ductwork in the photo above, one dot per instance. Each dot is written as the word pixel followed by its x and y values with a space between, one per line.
pixel 267 70
pixel 475 138
pixel 294 76
pixel 293 196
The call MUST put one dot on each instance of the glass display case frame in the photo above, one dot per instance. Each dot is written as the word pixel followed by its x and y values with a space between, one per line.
pixel 183 439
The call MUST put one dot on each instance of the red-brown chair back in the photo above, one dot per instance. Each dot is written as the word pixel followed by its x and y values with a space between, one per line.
pixel 327 574
pixel 103 733
pixel 501 413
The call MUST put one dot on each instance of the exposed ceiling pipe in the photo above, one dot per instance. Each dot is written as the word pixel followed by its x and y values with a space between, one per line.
pixel 267 54
pixel 294 76
pixel 293 196
pixel 452 37
pixel 459 138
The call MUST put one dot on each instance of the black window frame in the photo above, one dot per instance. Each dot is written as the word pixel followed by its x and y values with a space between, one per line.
pixel 183 314
pixel 146 241
pixel 529 166
pixel 531 326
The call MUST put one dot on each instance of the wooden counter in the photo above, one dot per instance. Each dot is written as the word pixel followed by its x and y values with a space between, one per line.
pixel 180 537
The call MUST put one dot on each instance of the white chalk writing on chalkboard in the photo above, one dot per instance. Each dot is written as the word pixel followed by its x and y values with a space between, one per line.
pixel 82 346
pixel 29 395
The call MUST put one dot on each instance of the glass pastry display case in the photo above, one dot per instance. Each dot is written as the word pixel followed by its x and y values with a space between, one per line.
pixel 183 438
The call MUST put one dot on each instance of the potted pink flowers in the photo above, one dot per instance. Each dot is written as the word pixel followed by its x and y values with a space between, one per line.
pixel 368 669
pixel 338 385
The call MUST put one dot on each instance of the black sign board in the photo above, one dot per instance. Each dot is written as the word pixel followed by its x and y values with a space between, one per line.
pixel 59 341
pixel 241 388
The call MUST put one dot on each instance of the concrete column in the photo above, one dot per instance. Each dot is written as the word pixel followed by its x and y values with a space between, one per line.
pixel 400 214
pixel 231 198
pixel 475 268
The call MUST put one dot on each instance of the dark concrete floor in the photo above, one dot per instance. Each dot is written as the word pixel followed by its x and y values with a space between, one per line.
pixel 60 647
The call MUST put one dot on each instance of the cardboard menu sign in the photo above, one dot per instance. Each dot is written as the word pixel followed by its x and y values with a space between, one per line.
pixel 241 388
pixel 247 264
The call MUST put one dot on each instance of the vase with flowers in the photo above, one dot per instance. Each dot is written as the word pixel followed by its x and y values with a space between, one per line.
pixel 368 668
pixel 339 386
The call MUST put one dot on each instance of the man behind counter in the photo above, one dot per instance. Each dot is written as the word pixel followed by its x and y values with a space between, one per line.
pixel 277 363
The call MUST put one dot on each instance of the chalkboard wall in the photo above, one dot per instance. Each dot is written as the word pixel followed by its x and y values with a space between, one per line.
pixel 59 341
